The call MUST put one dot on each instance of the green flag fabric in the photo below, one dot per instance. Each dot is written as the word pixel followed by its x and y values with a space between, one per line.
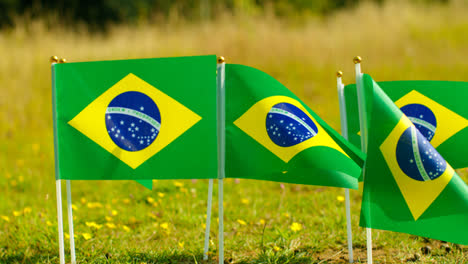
pixel 437 108
pixel 271 135
pixel 136 119
pixel 146 183
pixel 408 186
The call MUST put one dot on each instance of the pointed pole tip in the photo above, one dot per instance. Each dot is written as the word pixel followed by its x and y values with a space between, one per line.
pixel 62 60
pixel 221 59
pixel 53 59
pixel 339 74
pixel 357 59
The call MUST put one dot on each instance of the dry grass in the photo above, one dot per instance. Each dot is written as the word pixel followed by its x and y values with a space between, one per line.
pixel 397 41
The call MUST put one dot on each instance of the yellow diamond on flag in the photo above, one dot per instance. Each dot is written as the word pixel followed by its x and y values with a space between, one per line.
pixel 420 109
pixel 419 171
pixel 133 120
pixel 283 126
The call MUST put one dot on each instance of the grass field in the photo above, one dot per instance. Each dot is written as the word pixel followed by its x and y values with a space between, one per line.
pixel 121 222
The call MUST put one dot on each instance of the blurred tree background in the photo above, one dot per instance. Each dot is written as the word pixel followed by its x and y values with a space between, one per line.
pixel 97 15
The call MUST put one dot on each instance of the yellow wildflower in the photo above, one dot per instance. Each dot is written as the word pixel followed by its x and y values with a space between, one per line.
pixel 184 190
pixel 245 201
pixel 21 178
pixel 295 227
pixel 110 225
pixel 126 201
pixel 132 220
pixel 160 194
pixel 27 210
pixel 178 184
pixel 165 227
pixel 150 200
pixel 152 216
pixel 276 248
pixel 20 163
pixel 86 236
pixel 36 147
pixel 74 207
pixel 204 226
pixel 94 205
pixel 93 225
pixel 6 218
pixel 126 228
pixel 241 222
pixel 13 183
pixel 114 212
pixel 340 198
pixel 83 200
pixel 49 223
pixel 16 213
pixel 108 218
pixel 262 222
pixel 181 244
pixel 286 215
pixel 67 236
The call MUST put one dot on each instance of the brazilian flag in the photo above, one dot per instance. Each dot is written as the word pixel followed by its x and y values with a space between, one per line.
pixel 136 119
pixel 437 109
pixel 271 135
pixel 408 186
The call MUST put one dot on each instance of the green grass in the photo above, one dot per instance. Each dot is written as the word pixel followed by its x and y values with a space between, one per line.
pixel 396 41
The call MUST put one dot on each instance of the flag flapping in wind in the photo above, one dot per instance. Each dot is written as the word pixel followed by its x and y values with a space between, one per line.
pixel 437 109
pixel 408 186
pixel 272 135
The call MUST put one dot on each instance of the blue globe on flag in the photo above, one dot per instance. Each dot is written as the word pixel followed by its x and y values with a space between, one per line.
pixel 287 125
pixel 417 158
pixel 133 121
pixel 423 118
